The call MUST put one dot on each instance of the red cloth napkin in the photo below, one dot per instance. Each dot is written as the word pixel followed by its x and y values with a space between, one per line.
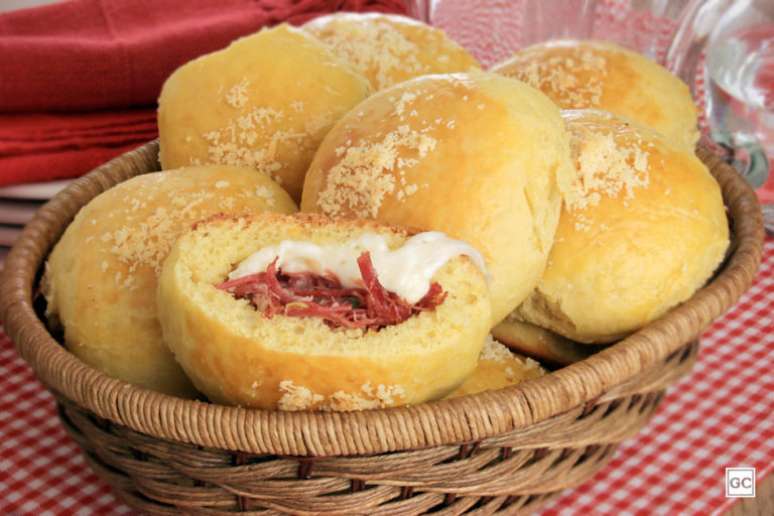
pixel 40 147
pixel 70 59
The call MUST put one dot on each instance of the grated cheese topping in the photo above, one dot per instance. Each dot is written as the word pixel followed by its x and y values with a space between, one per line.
pixel 407 98
pixel 369 171
pixel 381 397
pixel 494 351
pixel 375 48
pixel 235 144
pixel 533 364
pixel 146 234
pixel 609 162
pixel 296 397
pixel 143 244
pixel 571 76
pixel 266 194
pixel 255 136
pixel 236 96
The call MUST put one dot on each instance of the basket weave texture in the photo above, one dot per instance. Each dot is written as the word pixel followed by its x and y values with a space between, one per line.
pixel 499 451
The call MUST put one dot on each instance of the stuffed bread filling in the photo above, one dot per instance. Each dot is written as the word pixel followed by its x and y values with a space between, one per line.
pixel 306 294
pixel 360 284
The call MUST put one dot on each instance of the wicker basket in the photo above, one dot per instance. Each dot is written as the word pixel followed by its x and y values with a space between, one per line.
pixel 508 450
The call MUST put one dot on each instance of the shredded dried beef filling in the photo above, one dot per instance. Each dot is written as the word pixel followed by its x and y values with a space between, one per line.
pixel 305 294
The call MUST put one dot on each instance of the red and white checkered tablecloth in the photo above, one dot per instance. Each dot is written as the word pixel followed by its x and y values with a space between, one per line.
pixel 721 416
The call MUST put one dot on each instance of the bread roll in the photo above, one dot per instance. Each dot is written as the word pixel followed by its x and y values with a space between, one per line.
pixel 265 102
pixel 236 354
pixel 498 368
pixel 643 228
pixel 388 49
pixel 538 342
pixel 601 75
pixel 100 280
pixel 477 156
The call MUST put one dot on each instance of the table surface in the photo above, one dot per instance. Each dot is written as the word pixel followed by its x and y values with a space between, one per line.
pixel 722 415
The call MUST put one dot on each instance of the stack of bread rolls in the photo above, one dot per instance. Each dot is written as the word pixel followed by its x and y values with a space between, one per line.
pixel 445 207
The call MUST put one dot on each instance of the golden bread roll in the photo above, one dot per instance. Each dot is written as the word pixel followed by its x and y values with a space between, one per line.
pixel 498 367
pixel 265 102
pixel 100 280
pixel 535 341
pixel 601 75
pixel 642 229
pixel 477 156
pixel 388 49
pixel 238 354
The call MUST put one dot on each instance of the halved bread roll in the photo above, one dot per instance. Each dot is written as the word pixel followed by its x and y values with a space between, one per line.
pixel 100 280
pixel 264 102
pixel 238 354
pixel 477 156
pixel 388 49
pixel 643 228
pixel 498 367
pixel 601 75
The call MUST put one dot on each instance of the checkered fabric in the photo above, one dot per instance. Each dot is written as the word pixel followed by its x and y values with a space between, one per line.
pixel 41 469
pixel 720 416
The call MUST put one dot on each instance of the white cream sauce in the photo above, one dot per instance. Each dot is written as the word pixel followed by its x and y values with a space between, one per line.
pixel 407 270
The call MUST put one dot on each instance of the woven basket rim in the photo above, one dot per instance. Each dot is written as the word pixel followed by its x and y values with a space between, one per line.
pixel 445 422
